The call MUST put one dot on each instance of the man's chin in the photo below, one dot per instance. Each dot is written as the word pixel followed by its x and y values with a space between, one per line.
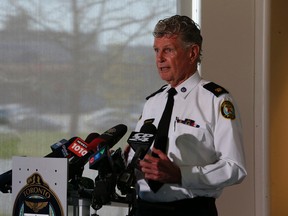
pixel 165 76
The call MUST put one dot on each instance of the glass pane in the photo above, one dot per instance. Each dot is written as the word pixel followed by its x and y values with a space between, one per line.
pixel 72 67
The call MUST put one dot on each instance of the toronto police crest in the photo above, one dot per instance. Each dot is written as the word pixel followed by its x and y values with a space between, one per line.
pixel 36 198
pixel 227 110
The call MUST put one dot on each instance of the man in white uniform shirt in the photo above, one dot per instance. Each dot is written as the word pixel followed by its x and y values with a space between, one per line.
pixel 203 153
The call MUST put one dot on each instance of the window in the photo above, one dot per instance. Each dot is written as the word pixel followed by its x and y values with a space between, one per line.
pixel 72 67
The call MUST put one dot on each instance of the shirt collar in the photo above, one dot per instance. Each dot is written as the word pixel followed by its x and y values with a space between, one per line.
pixel 187 86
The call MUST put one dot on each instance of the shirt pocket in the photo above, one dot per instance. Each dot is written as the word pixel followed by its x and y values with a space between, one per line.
pixel 195 145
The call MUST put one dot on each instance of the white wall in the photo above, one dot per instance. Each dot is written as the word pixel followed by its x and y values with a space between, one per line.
pixel 228 59
pixel 234 56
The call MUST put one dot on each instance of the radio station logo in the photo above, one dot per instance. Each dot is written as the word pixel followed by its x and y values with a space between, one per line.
pixel 37 199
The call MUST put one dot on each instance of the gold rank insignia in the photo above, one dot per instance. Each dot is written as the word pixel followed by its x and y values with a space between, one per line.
pixel 215 89
pixel 227 110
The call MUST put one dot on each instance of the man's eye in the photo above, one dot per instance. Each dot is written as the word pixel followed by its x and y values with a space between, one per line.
pixel 168 50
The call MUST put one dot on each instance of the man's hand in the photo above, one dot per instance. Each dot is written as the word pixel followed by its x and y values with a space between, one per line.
pixel 161 169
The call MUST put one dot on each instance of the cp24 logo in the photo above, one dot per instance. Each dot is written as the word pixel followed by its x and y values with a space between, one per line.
pixel 141 137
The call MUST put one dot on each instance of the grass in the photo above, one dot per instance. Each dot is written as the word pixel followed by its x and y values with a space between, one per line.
pixel 9 145
pixel 32 143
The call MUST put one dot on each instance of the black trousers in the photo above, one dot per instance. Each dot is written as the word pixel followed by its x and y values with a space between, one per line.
pixel 198 206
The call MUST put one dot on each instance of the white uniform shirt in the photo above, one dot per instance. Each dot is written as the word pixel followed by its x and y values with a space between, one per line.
pixel 204 141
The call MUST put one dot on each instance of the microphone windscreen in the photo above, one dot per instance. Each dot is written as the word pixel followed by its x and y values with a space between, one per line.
pixel 91 137
pixel 141 141
pixel 114 134
pixel 109 138
pixel 148 128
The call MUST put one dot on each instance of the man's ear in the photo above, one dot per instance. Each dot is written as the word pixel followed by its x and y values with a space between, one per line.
pixel 194 53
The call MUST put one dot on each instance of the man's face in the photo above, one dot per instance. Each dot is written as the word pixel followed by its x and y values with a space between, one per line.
pixel 174 62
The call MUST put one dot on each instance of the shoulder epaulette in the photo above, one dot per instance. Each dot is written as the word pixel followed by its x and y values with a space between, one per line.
pixel 158 91
pixel 215 89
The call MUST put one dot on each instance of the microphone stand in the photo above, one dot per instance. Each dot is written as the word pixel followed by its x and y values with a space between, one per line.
pixel 79 196
pixel 81 207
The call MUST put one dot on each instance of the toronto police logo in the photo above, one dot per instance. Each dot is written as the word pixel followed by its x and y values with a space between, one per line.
pixel 37 199
pixel 227 110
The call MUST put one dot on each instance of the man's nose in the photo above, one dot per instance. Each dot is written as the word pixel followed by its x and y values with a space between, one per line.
pixel 160 57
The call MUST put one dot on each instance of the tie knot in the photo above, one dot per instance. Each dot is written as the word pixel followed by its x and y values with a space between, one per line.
pixel 172 92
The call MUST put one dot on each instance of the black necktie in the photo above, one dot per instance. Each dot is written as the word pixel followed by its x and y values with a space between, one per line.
pixel 162 133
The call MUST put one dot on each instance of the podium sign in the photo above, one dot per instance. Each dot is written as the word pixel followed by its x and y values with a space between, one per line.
pixel 39 186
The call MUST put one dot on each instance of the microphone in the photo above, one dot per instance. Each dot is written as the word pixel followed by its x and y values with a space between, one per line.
pixel 140 142
pixel 80 149
pixel 101 160
pixel 60 149
pixel 105 142
pixel 91 137
pixel 73 147
pixel 6 182
pixel 110 137
pixel 58 144
pixel 76 182
pixel 77 146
